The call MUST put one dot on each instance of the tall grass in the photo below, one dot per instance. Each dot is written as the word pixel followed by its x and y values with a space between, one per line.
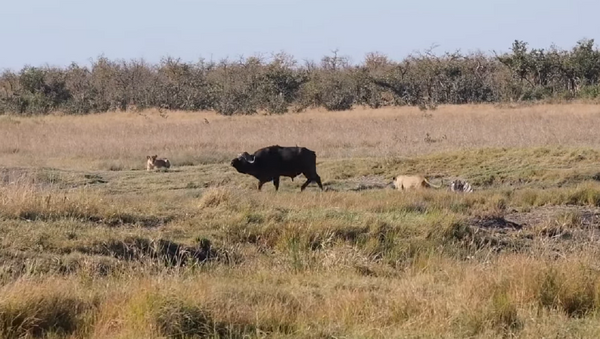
pixel 513 295
pixel 122 140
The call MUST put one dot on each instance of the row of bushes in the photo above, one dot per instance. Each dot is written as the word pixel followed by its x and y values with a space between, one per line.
pixel 252 84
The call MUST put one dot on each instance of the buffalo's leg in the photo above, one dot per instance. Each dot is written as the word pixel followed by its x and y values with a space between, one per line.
pixel 260 184
pixel 318 181
pixel 276 183
pixel 312 178
pixel 305 184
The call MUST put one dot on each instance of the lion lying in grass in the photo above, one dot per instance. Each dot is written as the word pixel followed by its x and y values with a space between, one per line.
pixel 152 162
pixel 403 182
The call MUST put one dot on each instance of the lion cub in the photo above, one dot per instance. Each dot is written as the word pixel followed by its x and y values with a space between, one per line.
pixel 403 182
pixel 153 162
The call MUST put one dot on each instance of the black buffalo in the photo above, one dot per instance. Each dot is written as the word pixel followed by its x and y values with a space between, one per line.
pixel 270 163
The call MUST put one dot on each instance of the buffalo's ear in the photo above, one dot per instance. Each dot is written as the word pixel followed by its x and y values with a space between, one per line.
pixel 248 157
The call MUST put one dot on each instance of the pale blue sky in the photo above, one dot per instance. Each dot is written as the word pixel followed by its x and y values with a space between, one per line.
pixel 56 32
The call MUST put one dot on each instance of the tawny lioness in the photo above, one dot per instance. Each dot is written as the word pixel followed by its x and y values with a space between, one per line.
pixel 152 162
pixel 403 182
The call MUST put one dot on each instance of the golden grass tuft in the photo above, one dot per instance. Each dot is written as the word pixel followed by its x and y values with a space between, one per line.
pixel 29 309
pixel 215 197
pixel 574 290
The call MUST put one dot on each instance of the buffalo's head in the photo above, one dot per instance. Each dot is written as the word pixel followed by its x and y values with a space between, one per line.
pixel 243 163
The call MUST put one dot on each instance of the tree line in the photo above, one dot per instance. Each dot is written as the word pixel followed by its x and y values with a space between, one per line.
pixel 282 84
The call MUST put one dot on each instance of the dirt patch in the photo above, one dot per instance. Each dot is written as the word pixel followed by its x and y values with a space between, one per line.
pixel 147 221
pixel 498 223
pixel 368 183
pixel 584 215
pixel 166 251
pixel 567 226
pixel 95 179
pixel 124 219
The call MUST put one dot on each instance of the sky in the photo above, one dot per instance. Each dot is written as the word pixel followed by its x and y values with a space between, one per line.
pixel 58 32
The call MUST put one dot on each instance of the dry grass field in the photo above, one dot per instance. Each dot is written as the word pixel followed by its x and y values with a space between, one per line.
pixel 122 140
pixel 94 246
